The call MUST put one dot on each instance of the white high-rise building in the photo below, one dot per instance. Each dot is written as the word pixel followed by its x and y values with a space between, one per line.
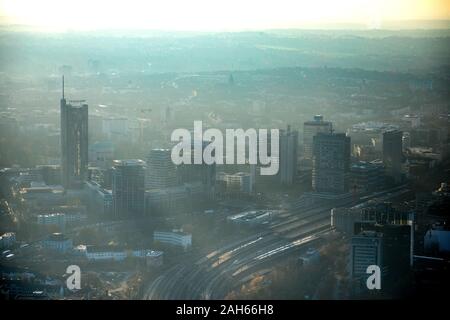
pixel 160 170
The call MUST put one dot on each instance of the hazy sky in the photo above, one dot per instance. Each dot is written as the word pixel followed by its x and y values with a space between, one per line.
pixel 206 15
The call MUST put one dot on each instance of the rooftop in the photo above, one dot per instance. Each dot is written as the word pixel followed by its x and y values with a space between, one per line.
pixel 374 126
pixel 48 215
pixel 57 237
pixel 175 231
pixel 93 248
pixel 155 254
pixel 129 162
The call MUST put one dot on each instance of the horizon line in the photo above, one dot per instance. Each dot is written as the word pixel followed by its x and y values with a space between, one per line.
pixel 387 25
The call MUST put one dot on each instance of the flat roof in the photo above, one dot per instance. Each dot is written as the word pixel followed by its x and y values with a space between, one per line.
pixel 129 162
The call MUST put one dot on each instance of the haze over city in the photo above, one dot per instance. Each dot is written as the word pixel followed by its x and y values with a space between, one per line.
pixel 94 95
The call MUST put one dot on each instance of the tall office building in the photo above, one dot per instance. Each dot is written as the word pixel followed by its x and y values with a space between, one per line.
pixel 205 173
pixel 353 220
pixel 331 163
pixel 128 186
pixel 160 171
pixel 288 156
pixel 366 250
pixel 74 141
pixel 397 250
pixel 310 129
pixel 388 246
pixel 393 153
pixel 366 176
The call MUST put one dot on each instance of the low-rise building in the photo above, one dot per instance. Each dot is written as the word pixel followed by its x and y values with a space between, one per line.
pixel 51 219
pixel 58 242
pixel 115 253
pixel 175 238
pixel 61 219
pixel 7 240
pixel 98 253
pixel 100 200
pixel 44 196
pixel 172 199
pixel 237 183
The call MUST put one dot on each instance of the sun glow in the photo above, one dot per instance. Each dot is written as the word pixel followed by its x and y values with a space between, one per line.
pixel 205 15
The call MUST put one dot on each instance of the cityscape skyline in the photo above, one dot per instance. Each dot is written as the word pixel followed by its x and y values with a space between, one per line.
pixel 225 166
